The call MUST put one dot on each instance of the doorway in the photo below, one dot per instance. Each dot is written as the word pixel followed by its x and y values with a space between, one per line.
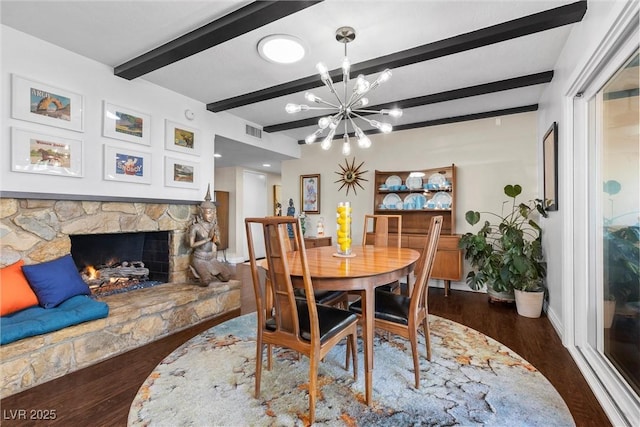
pixel 254 205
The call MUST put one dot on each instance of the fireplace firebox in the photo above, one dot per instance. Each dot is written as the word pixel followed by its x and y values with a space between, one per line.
pixel 122 257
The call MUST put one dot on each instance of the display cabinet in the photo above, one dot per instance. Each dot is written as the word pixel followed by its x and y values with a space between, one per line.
pixel 418 195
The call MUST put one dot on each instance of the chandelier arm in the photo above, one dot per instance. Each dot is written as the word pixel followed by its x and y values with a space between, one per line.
pixel 360 117
pixel 322 101
pixel 329 83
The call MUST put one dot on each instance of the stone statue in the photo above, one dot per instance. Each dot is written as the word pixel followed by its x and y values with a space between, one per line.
pixel 291 211
pixel 203 236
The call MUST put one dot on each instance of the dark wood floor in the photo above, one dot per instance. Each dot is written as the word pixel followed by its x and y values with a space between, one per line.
pixel 102 394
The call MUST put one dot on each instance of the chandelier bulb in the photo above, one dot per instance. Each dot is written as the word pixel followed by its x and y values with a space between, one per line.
pixel 386 128
pixel 386 75
pixel 346 146
pixel 346 67
pixel 324 122
pixel 325 144
pixel 292 108
pixel 394 112
pixel 323 70
pixel 310 97
pixel 362 85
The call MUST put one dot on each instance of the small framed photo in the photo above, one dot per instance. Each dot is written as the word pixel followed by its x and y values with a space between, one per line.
pixel 184 139
pixel 126 124
pixel 35 152
pixel 310 193
pixel 123 164
pixel 550 158
pixel 45 104
pixel 181 173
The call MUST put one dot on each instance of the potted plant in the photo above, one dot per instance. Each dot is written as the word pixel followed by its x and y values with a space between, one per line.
pixel 506 253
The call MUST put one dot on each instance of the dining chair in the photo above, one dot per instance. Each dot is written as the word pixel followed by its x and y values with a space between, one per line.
pixel 385 231
pixel 299 324
pixel 403 315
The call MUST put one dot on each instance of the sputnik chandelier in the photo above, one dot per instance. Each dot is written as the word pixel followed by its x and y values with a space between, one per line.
pixel 350 106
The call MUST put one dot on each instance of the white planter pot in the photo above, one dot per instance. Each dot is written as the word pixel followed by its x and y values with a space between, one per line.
pixel 529 304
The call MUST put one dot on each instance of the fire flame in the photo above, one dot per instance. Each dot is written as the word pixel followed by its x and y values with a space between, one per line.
pixel 91 272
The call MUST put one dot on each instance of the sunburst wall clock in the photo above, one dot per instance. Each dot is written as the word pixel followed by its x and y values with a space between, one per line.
pixel 350 176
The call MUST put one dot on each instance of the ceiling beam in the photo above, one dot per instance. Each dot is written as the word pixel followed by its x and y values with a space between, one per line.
pixel 526 25
pixel 446 120
pixel 241 21
pixel 482 89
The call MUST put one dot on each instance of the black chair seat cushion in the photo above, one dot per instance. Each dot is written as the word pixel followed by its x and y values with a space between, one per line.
pixel 389 306
pixel 321 297
pixel 331 320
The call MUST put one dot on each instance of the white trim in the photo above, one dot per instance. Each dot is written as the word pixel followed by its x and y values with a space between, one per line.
pixel 615 396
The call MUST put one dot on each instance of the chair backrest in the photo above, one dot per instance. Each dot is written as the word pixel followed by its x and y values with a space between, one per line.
pixel 424 266
pixel 284 312
pixel 381 226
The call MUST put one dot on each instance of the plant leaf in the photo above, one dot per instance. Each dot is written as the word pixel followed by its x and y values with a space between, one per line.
pixel 472 217
pixel 512 190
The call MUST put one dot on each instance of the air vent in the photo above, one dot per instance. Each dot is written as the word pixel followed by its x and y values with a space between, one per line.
pixel 252 131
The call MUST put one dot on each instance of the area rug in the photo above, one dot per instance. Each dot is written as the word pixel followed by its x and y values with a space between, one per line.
pixel 471 380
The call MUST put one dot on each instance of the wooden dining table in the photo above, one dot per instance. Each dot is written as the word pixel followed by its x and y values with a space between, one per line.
pixel 368 268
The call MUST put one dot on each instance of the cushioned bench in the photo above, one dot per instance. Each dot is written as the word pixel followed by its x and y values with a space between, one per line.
pixel 37 320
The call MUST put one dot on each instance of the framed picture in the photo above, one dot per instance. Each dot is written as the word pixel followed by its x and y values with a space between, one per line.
pixel 126 124
pixel 123 164
pixel 182 138
pixel 181 173
pixel 310 193
pixel 550 158
pixel 36 152
pixel 48 105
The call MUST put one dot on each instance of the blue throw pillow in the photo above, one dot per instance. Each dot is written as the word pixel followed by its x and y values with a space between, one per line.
pixel 55 281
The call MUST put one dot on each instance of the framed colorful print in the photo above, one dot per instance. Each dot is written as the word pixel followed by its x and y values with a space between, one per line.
pixel 310 193
pixel 36 152
pixel 126 124
pixel 48 105
pixel 550 157
pixel 181 173
pixel 184 139
pixel 123 164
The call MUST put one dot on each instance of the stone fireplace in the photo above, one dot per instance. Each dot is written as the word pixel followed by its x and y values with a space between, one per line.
pixel 41 230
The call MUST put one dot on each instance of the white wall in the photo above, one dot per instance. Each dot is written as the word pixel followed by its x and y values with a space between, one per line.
pixel 41 61
pixel 487 156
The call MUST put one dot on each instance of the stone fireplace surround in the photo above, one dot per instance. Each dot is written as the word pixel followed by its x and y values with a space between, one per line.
pixel 38 229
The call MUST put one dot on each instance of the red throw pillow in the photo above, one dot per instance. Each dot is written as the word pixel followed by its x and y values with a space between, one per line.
pixel 15 292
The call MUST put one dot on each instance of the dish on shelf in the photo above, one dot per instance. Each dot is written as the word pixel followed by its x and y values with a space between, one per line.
pixel 414 183
pixel 437 179
pixel 414 201
pixel 393 180
pixel 441 200
pixel 391 200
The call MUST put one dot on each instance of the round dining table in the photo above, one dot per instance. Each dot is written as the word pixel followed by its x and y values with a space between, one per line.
pixel 367 268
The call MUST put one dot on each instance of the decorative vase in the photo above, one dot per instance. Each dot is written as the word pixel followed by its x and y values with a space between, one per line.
pixel 343 220
pixel 529 304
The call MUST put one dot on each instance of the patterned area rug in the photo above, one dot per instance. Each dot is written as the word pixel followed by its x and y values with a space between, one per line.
pixel 471 380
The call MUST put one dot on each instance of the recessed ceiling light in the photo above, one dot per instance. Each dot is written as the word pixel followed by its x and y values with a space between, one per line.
pixel 281 49
pixel 266 165
pixel 217 155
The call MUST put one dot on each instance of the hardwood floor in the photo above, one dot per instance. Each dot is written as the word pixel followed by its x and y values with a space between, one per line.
pixel 102 394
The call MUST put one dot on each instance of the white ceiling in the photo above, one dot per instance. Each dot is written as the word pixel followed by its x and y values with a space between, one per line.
pixel 114 32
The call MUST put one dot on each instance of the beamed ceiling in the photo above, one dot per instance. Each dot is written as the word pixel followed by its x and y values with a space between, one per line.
pixel 451 60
